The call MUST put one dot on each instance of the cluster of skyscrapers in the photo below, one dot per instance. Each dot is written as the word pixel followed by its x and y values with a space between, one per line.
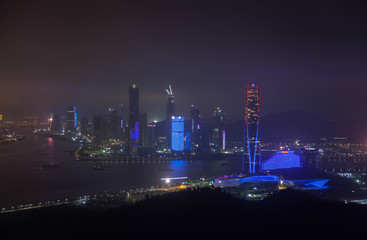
pixel 176 134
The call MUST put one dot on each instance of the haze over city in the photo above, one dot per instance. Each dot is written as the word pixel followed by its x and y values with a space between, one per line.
pixel 197 119
pixel 306 55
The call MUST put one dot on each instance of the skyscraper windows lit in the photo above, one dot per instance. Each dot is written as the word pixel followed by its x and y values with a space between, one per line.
pixel 252 137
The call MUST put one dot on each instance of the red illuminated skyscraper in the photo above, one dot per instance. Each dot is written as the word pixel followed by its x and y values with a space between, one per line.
pixel 252 137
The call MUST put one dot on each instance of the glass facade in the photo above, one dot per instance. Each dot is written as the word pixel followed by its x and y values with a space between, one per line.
pixel 135 135
pixel 178 134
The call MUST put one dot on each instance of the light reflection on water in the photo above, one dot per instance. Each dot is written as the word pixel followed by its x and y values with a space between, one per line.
pixel 22 181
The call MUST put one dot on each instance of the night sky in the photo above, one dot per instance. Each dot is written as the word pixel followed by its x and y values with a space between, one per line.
pixel 306 55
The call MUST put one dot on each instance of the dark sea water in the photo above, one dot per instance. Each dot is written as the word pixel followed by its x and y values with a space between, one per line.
pixel 23 182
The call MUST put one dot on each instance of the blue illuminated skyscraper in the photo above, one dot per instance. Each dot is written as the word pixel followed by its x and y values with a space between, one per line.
pixel 252 137
pixel 178 134
pixel 134 119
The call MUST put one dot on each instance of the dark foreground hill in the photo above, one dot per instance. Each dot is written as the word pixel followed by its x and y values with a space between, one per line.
pixel 198 214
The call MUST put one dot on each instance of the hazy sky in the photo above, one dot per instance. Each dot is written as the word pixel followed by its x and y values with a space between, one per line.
pixel 306 55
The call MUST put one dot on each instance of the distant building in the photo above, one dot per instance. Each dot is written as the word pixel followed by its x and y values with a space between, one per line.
pixel 134 139
pixel 195 121
pixel 178 133
pixel 281 160
pixel 252 137
pixel 133 125
pixel 151 134
pixel 84 124
pixel 55 123
pixel 310 157
pixel 171 105
pixel 71 119
pixel 217 132
pixel 143 130
pixel 133 106
pixel 114 124
pixel 99 129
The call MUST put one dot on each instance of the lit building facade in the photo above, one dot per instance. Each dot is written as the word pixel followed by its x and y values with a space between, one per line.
pixel 252 137
pixel 133 106
pixel 133 119
pixel 177 133
pixel 71 118
pixel 282 159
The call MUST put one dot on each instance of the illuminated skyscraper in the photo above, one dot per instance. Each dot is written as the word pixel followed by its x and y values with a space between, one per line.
pixel 178 134
pixel 171 106
pixel 71 118
pixel 134 118
pixel 252 137
pixel 133 106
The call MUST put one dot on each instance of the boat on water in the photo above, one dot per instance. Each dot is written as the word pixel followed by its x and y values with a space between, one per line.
pixel 42 165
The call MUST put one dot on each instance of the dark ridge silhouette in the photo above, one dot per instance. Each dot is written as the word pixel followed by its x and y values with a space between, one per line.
pixel 206 213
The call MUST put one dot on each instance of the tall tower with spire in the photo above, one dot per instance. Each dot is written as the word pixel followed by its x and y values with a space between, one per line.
pixel 171 105
pixel 252 137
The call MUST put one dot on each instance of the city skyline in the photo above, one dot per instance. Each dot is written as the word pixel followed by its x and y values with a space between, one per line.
pixel 306 55
pixel 123 115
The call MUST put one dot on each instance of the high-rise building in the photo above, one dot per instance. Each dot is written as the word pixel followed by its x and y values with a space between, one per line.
pixel 178 134
pixel 133 106
pixel 84 126
pixel 133 125
pixel 151 134
pixel 217 132
pixel 252 137
pixel 143 131
pixel 114 123
pixel 55 123
pixel 71 119
pixel 134 139
pixel 99 129
pixel 171 105
pixel 195 121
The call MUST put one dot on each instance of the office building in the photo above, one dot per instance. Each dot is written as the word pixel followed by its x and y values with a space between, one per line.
pixel 100 131
pixel 133 106
pixel 71 119
pixel 178 134
pixel 171 105
pixel 84 126
pixel 133 126
pixel 114 124
pixel 195 121
pixel 55 123
pixel 251 157
pixel 143 130
pixel 217 132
